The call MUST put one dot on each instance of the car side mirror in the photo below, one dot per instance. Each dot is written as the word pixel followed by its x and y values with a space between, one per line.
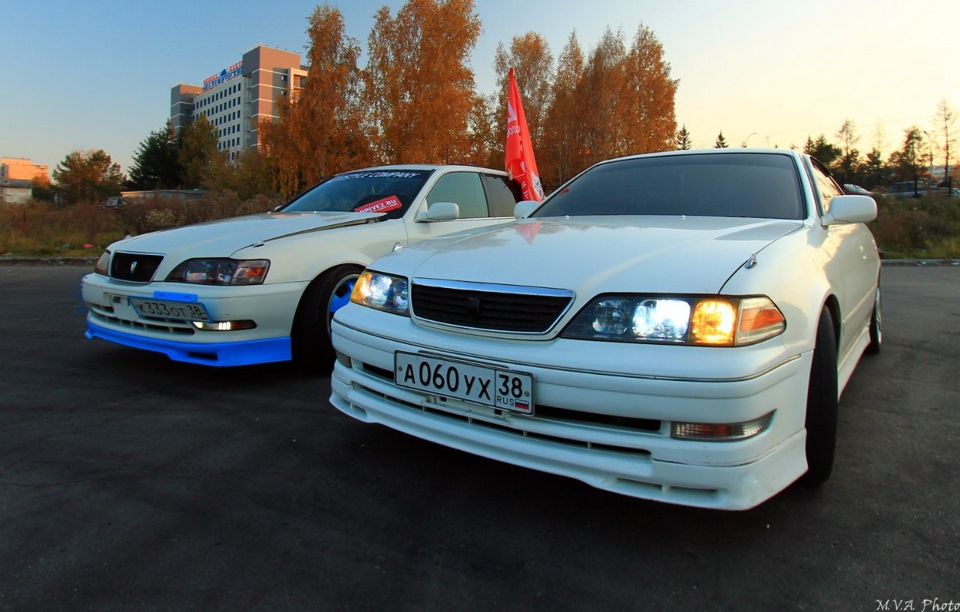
pixel 440 211
pixel 524 208
pixel 850 209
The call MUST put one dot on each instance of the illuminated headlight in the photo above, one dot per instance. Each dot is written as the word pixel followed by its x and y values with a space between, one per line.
pixel 700 321
pixel 103 264
pixel 221 272
pixel 382 291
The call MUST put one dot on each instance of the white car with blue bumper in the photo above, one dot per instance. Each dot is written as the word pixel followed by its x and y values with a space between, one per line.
pixel 262 288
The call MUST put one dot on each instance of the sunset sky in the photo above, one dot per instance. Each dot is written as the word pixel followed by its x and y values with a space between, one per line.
pixel 97 74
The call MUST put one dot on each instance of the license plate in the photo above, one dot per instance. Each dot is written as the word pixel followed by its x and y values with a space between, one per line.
pixel 471 382
pixel 170 310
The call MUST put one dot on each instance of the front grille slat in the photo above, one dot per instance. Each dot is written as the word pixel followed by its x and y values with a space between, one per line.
pixel 529 310
pixel 134 267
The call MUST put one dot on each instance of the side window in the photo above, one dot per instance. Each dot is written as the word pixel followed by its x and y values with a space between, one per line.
pixel 465 190
pixel 502 194
pixel 826 186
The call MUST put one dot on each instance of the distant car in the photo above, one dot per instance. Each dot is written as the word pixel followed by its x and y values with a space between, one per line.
pixel 263 288
pixel 908 189
pixel 856 190
pixel 676 327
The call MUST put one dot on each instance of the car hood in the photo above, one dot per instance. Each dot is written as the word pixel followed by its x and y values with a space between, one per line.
pixel 224 237
pixel 594 255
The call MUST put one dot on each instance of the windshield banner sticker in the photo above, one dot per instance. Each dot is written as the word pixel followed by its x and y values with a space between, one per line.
pixel 384 205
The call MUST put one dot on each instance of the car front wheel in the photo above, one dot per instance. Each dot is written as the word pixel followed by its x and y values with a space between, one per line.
pixel 821 419
pixel 311 345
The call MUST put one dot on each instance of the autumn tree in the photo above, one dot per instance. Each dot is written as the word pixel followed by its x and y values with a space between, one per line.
pixel 849 164
pixel 196 152
pixel 155 164
pixel 418 86
pixel 322 132
pixel 945 122
pixel 721 142
pixel 561 151
pixel 532 62
pixel 683 139
pixel 648 95
pixel 248 176
pixel 599 99
pixel 906 162
pixel 847 135
pixel 87 176
pixel 485 140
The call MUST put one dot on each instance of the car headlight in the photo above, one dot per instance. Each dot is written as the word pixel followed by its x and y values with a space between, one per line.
pixel 103 264
pixel 221 272
pixel 689 320
pixel 383 292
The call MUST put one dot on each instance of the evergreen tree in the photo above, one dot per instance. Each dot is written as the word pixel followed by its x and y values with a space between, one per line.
pixel 683 139
pixel 906 162
pixel 821 150
pixel 155 164
pixel 721 142
pixel 196 152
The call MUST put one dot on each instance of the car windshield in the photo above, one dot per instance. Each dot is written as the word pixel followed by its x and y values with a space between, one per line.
pixel 759 185
pixel 374 191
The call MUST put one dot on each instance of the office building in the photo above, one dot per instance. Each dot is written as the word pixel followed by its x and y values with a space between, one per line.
pixel 237 98
pixel 17 176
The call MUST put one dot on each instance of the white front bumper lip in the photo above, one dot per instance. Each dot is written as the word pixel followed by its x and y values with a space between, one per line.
pixel 642 463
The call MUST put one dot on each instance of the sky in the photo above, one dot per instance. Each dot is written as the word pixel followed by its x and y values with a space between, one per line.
pixel 96 74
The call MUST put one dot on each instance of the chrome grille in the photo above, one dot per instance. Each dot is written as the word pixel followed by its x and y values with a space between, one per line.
pixel 529 310
pixel 135 267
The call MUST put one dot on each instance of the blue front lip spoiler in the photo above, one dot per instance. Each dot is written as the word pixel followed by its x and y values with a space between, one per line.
pixel 220 354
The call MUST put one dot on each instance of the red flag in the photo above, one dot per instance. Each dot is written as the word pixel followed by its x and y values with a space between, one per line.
pixel 521 164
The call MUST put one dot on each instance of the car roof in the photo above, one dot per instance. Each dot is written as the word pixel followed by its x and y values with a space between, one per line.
pixel 420 167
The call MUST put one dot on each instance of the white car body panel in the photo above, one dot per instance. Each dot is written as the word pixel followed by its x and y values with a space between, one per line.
pixel 802 265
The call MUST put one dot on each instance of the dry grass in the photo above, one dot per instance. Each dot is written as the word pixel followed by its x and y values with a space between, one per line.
pixel 917 228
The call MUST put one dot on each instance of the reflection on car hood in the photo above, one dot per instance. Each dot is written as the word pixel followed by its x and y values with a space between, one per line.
pixel 598 254
pixel 224 237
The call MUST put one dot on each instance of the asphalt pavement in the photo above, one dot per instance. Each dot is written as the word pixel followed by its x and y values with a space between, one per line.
pixel 129 482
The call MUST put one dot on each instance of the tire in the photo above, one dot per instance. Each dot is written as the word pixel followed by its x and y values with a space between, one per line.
pixel 876 327
pixel 821 418
pixel 310 336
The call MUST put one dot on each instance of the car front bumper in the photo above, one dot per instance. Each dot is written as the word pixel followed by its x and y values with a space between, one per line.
pixel 271 308
pixel 569 433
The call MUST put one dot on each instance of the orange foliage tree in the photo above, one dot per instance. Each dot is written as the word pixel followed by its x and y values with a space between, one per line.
pixel 562 147
pixel 615 102
pixel 529 56
pixel 419 89
pixel 323 130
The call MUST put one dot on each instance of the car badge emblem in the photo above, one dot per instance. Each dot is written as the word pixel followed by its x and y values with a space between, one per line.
pixel 133 268
pixel 473 307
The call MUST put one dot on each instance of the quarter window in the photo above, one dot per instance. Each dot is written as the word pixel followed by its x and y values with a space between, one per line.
pixel 826 187
pixel 502 194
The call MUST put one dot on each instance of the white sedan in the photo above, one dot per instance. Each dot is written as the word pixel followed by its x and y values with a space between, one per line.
pixel 263 288
pixel 676 327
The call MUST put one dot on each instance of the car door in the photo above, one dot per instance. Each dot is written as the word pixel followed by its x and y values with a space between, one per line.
pixel 854 264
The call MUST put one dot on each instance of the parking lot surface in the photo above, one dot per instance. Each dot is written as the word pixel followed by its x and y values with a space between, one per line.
pixel 128 481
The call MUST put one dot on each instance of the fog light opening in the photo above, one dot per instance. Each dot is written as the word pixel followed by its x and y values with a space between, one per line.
pixel 721 432
pixel 224 325
pixel 344 359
